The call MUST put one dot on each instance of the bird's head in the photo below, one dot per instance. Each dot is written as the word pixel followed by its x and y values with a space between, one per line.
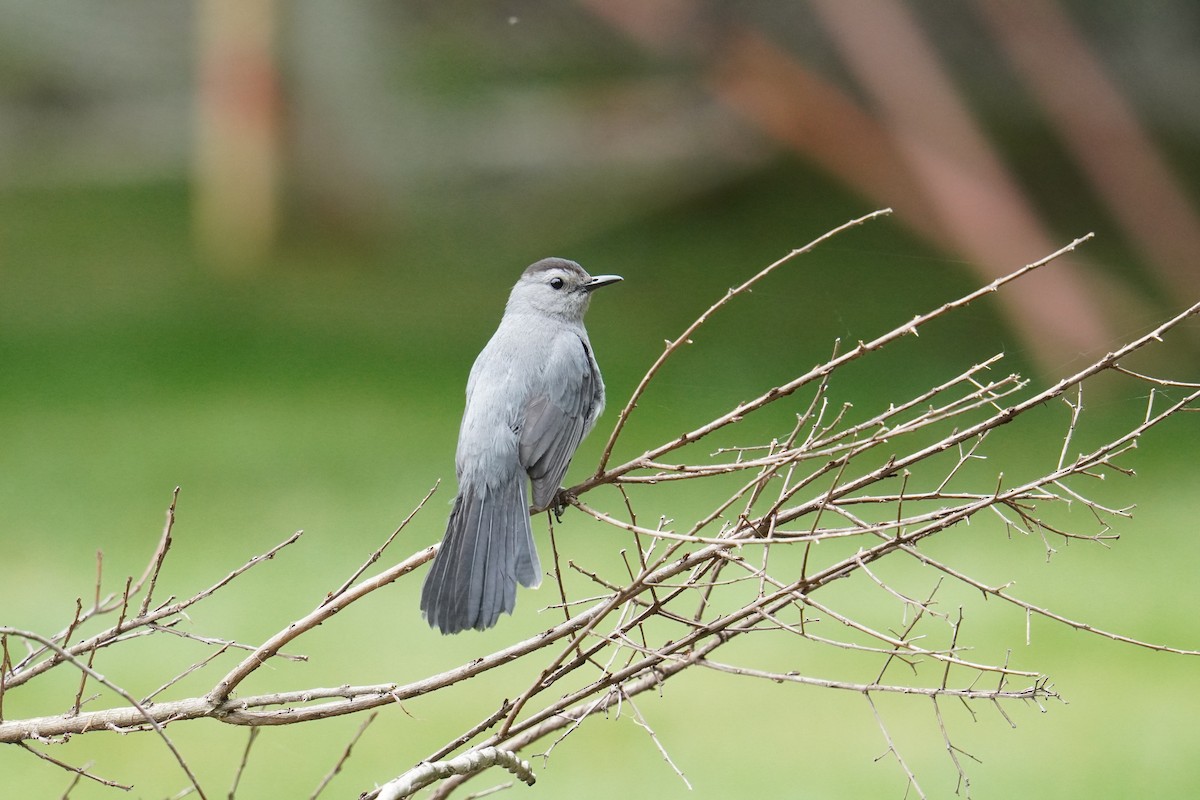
pixel 556 287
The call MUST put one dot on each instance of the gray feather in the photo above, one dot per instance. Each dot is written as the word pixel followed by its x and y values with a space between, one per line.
pixel 533 394
pixel 554 425
pixel 488 548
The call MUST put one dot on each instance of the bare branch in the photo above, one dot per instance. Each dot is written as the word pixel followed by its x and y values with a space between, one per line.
pixel 685 337
pixel 838 491
pixel 79 772
pixel 333 605
pixel 23 673
pixel 469 763
pixel 82 667
pixel 345 756
pixel 375 556
pixel 237 776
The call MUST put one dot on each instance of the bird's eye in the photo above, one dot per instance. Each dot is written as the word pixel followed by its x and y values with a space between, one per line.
pixel 556 283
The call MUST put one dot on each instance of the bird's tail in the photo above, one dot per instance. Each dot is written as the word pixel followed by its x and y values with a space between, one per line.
pixel 487 550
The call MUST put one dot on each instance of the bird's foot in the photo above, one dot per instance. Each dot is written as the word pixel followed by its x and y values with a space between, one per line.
pixel 560 502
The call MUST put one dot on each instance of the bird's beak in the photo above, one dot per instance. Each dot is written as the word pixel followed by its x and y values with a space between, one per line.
pixel 601 280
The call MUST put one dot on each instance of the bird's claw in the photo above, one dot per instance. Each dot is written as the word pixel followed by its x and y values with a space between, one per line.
pixel 560 502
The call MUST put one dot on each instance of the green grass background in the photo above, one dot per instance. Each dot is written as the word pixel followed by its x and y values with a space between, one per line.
pixel 323 393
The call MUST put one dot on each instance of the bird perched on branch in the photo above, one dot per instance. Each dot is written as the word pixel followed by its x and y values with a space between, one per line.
pixel 534 393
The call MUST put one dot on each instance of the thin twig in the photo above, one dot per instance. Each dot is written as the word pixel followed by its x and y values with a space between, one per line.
pixel 375 556
pixel 146 717
pixel 78 772
pixel 344 757
pixel 241 768
pixel 156 560
pixel 685 337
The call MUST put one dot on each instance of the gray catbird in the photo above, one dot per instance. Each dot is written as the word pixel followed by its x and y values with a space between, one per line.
pixel 534 393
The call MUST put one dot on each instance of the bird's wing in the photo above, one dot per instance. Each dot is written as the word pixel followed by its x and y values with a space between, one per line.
pixel 556 418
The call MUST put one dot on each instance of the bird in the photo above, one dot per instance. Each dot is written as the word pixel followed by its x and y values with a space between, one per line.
pixel 533 394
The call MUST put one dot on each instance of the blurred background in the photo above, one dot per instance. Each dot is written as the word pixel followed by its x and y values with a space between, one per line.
pixel 251 248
